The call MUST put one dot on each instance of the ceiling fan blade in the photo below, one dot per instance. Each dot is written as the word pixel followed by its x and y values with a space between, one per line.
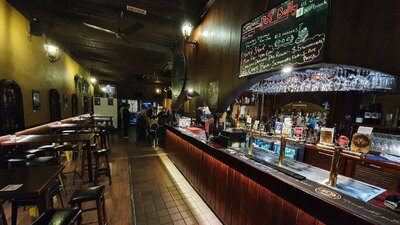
pixel 132 29
pixel 99 28
pixel 126 40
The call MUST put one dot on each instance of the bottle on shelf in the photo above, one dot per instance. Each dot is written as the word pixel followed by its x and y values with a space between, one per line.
pixel 376 112
pixel 360 115
pixel 367 114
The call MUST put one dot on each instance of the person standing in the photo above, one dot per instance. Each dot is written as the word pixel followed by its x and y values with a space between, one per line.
pixel 126 116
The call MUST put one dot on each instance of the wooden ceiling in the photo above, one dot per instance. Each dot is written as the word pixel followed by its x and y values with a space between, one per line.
pixel 131 46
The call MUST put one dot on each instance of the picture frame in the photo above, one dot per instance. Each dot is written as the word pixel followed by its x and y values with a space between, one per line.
pixel 110 101
pixel 97 101
pixel 36 100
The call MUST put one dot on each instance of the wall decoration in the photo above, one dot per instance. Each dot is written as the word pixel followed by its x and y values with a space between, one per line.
pixel 36 100
pixel 97 101
pixel 65 100
pixel 81 83
pixel 178 73
pixel 110 101
pixel 212 94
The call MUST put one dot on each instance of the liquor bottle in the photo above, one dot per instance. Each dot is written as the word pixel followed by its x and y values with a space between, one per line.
pixel 360 115
pixel 367 114
pixel 376 112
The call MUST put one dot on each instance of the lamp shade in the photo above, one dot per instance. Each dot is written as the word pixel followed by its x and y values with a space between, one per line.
pixel 187 30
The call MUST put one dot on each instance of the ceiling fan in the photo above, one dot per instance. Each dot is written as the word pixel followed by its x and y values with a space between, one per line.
pixel 121 34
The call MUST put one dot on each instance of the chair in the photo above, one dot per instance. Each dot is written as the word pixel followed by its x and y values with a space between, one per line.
pixel 95 193
pixel 66 216
pixel 98 154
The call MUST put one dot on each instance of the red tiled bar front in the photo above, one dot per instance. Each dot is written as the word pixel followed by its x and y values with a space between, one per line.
pixel 241 193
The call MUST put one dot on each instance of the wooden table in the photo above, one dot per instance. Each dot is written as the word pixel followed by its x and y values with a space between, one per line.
pixel 73 126
pixel 59 138
pixel 35 183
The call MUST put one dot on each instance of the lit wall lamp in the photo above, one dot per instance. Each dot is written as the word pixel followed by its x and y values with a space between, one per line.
pixel 187 31
pixel 52 51
pixel 93 80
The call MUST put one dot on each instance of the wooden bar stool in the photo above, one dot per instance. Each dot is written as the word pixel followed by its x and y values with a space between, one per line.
pixel 3 220
pixel 66 216
pixel 101 170
pixel 95 193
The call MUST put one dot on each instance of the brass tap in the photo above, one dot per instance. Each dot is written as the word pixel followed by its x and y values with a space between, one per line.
pixel 334 166
pixel 282 151
pixel 250 146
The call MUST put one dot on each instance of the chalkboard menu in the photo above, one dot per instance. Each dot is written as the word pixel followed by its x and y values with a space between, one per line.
pixel 293 33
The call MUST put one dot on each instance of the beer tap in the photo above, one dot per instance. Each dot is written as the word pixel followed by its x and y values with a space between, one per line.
pixel 334 166
pixel 282 151
pixel 250 146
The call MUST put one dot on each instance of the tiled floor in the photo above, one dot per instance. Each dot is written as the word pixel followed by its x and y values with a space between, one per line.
pixel 162 195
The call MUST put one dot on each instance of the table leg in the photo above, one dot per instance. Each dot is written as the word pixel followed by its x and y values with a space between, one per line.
pixel 89 160
pixel 43 203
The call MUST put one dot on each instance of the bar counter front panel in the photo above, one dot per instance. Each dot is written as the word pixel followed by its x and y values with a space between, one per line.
pixel 241 191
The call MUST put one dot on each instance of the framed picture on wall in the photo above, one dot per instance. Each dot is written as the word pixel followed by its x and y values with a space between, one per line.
pixel 110 101
pixel 36 100
pixel 65 100
pixel 97 101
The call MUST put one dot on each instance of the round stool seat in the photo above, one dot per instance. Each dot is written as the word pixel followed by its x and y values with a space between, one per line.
pixel 47 147
pixel 43 161
pixel 88 194
pixel 67 147
pixel 64 216
pixel 85 131
pixel 102 152
pixel 17 162
pixel 69 131
pixel 37 151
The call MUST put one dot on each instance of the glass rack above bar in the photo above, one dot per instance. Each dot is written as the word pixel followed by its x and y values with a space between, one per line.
pixel 337 78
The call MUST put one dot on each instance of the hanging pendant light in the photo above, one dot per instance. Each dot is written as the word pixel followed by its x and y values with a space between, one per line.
pixel 52 51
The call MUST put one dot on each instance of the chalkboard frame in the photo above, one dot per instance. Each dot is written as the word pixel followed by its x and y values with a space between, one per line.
pixel 324 51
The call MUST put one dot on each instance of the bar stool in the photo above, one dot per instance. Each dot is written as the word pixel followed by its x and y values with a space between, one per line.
pixel 84 166
pixel 3 220
pixel 95 193
pixel 103 138
pixel 66 216
pixel 43 161
pixel 50 150
pixel 98 154
pixel 19 161
pixel 37 151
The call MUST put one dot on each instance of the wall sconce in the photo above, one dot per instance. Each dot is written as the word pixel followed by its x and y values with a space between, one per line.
pixel 52 51
pixel 93 80
pixel 158 91
pixel 187 31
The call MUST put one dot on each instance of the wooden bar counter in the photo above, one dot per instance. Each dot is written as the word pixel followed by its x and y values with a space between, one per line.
pixel 241 191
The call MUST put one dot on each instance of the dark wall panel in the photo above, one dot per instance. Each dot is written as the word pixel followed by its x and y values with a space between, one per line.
pixel 361 33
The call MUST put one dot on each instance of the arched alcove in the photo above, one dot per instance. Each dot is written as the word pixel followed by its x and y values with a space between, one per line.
pixel 11 107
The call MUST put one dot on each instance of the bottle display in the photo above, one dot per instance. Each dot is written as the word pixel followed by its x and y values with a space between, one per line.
pixel 360 115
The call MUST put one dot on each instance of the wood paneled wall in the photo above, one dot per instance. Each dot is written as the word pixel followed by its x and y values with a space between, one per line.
pixel 361 33
pixel 236 199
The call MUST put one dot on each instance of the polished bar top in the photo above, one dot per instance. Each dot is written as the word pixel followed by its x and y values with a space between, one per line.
pixel 307 194
pixel 47 138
